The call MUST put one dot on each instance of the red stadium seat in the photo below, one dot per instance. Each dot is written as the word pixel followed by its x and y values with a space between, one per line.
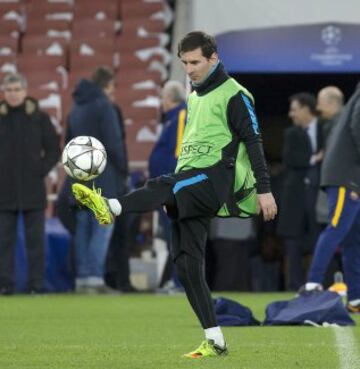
pixel 133 42
pixel 46 80
pixel 144 115
pixel 141 139
pixel 96 9
pixel 140 9
pixel 10 7
pixel 134 76
pixel 130 61
pixel 9 44
pixel 50 28
pixel 47 10
pixel 125 96
pixel 80 62
pixel 130 26
pixel 43 45
pixel 28 63
pixel 9 28
pixel 82 28
pixel 97 45
pixel 7 64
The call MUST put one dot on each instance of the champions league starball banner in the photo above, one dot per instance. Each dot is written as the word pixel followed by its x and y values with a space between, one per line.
pixel 315 48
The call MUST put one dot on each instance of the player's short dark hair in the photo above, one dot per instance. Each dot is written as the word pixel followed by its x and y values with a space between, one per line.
pixel 102 76
pixel 305 99
pixel 196 39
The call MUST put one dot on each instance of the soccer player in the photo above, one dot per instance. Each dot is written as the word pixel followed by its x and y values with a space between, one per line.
pixel 221 152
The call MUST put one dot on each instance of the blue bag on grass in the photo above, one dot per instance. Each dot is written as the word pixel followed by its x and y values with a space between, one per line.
pixel 231 313
pixel 315 307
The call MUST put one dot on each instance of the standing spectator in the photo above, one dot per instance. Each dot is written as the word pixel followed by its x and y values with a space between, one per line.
pixel 301 156
pixel 340 175
pixel 330 101
pixel 165 153
pixel 29 148
pixel 93 114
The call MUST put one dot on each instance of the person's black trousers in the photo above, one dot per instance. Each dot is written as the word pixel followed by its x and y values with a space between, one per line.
pixel 34 225
pixel 188 251
pixel 189 232
pixel 117 270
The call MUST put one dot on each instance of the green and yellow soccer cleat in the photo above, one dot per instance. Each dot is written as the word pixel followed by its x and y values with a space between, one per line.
pixel 207 349
pixel 93 200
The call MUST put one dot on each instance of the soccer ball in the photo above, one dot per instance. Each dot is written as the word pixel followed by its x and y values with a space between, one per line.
pixel 84 158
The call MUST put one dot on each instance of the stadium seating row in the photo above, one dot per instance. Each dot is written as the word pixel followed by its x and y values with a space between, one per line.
pixel 55 43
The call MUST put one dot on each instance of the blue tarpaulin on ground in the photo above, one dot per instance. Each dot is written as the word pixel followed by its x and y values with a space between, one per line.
pixel 316 307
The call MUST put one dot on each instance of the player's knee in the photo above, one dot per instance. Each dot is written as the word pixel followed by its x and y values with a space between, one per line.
pixel 187 268
pixel 180 266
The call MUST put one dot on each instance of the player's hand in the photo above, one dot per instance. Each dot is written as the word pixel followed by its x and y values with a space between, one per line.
pixel 319 156
pixel 267 205
pixel 354 196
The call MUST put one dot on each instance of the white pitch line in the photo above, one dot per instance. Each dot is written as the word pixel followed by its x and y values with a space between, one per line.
pixel 347 348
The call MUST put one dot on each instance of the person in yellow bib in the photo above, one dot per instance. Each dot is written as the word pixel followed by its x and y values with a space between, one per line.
pixel 221 171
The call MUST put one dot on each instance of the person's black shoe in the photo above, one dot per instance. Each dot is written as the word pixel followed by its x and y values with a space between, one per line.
pixel 6 291
pixel 37 290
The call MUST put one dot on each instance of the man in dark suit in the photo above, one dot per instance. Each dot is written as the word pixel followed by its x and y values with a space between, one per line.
pixel 302 155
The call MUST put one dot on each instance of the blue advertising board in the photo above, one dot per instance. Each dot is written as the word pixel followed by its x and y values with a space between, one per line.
pixel 315 48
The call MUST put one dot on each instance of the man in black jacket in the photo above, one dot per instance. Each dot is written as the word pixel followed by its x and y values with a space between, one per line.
pixel 93 114
pixel 340 175
pixel 29 148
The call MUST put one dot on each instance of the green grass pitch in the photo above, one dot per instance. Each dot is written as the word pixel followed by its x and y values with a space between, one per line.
pixel 148 332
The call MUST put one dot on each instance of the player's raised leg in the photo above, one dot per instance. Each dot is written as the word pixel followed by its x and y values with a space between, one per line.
pixel 154 194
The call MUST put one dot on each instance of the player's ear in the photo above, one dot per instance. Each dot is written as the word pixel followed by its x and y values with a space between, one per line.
pixel 214 58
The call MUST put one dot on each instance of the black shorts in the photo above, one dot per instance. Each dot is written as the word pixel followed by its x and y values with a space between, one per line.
pixel 200 192
pixel 197 196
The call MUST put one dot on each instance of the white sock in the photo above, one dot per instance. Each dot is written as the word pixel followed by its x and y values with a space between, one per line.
pixel 309 286
pixel 354 302
pixel 115 206
pixel 216 335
